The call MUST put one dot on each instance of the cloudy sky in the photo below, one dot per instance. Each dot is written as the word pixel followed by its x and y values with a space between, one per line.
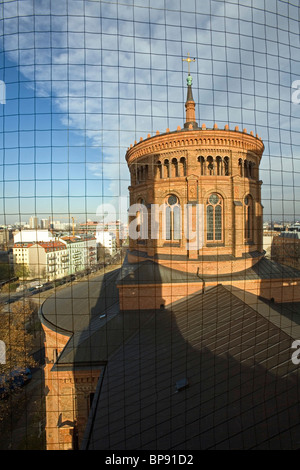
pixel 85 79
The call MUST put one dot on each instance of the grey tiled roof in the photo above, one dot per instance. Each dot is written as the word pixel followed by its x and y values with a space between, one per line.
pixel 149 271
pixel 89 311
pixel 74 307
pixel 243 389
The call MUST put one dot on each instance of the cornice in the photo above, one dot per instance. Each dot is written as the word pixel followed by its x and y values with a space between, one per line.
pixel 205 138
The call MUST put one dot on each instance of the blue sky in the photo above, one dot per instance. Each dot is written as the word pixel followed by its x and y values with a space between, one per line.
pixel 84 80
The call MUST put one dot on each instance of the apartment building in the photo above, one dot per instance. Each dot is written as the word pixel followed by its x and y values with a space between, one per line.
pixel 21 253
pixel 48 260
pixel 89 249
pixel 82 252
pixel 107 239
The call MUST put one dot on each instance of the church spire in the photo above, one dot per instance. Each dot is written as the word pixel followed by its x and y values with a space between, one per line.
pixel 190 103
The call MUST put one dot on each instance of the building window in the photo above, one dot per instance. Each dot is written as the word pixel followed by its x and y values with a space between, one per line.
pixel 183 166
pixel 226 166
pixel 240 167
pixel 246 169
pixel 214 215
pixel 248 217
pixel 210 165
pixel 159 170
pixel 201 160
pixel 172 218
pixel 174 168
pixel 219 165
pixel 167 169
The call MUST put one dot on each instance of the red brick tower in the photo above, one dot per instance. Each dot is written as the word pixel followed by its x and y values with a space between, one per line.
pixel 200 197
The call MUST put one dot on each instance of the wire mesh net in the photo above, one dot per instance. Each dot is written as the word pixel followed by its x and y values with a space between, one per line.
pixel 84 85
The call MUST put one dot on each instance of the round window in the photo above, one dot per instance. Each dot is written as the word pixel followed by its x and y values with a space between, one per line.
pixel 213 199
pixel 172 200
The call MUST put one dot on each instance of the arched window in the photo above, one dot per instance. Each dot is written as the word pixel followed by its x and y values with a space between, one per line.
pixel 159 170
pixel 214 218
pixel 167 169
pixel 133 175
pixel 246 169
pixel 172 218
pixel 210 165
pixel 174 168
pixel 250 169
pixel 219 166
pixel 248 217
pixel 183 166
pixel 201 160
pixel 226 166
pixel 240 167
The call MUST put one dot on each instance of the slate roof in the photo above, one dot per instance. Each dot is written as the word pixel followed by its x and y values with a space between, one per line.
pixel 88 311
pixel 73 308
pixel 149 271
pixel 242 388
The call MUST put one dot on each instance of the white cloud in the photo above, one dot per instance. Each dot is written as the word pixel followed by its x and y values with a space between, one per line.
pixel 94 58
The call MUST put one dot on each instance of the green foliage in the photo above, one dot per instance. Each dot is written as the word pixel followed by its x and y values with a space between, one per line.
pixel 22 271
pixel 6 272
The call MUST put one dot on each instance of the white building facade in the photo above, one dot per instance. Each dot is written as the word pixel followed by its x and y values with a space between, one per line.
pixel 107 239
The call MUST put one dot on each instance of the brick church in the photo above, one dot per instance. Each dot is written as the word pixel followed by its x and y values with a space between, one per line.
pixel 188 343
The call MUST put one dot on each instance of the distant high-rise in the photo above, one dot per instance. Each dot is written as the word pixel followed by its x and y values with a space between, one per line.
pixel 33 222
pixel 44 223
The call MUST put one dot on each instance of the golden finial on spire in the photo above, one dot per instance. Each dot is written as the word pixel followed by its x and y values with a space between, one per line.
pixel 189 60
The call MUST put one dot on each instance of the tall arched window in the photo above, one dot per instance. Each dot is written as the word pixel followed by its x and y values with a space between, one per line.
pixel 172 218
pixel 182 167
pixel 214 218
pixel 133 175
pixel 240 167
pixel 201 160
pixel 174 168
pixel 250 169
pixel 210 165
pixel 219 166
pixel 166 169
pixel 248 217
pixel 226 166
pixel 159 170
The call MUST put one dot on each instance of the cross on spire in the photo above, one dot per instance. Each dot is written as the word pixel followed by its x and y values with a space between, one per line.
pixel 189 60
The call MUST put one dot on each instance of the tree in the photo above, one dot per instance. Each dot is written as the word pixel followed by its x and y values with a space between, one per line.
pixel 103 254
pixel 5 271
pixel 22 271
pixel 15 335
